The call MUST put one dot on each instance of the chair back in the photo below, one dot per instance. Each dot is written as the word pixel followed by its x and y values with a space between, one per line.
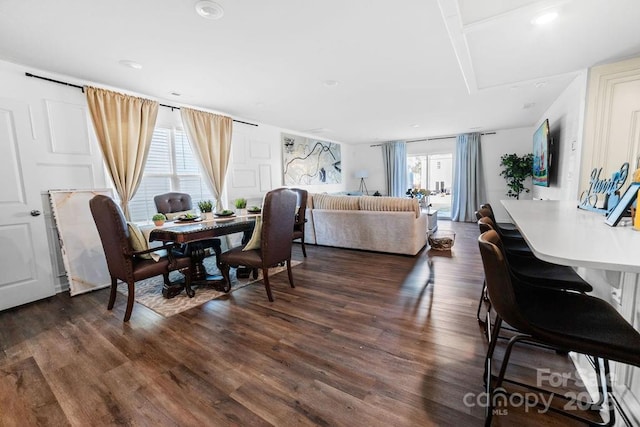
pixel 114 234
pixel 485 224
pixel 173 202
pixel 301 203
pixel 502 293
pixel 484 212
pixel 278 217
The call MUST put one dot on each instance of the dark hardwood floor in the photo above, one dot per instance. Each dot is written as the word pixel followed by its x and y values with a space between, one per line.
pixel 365 339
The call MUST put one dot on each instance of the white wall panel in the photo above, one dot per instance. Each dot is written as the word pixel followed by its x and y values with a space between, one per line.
pixel 239 149
pixel 244 178
pixel 16 254
pixel 64 176
pixel 67 128
pixel 12 188
pixel 265 178
pixel 259 150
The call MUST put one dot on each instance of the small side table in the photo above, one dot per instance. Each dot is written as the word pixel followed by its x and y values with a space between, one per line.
pixel 432 220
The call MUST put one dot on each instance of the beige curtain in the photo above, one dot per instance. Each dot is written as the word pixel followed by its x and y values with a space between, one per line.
pixel 124 126
pixel 210 137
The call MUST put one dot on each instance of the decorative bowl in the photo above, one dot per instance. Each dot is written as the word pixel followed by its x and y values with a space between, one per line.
pixel 442 240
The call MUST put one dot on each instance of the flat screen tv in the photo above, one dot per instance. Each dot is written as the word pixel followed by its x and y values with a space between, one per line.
pixel 541 155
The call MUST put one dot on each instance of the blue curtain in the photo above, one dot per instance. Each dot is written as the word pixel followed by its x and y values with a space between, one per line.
pixel 394 156
pixel 468 192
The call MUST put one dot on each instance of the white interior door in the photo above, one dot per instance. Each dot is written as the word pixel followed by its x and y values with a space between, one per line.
pixel 24 257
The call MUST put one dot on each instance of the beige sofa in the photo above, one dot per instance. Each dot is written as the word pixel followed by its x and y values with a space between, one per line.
pixel 384 224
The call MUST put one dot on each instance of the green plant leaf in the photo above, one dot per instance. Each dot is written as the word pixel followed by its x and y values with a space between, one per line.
pixel 516 170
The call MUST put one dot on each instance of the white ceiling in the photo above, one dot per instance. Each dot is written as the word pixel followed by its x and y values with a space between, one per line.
pixel 406 69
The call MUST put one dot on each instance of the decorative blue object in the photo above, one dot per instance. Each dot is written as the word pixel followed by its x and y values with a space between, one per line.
pixel 610 188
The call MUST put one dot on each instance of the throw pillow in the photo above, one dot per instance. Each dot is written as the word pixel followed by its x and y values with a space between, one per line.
pixel 254 242
pixel 138 241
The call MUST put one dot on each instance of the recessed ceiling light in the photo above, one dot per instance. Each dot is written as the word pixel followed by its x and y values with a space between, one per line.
pixel 415 126
pixel 176 94
pixel 131 64
pixel 317 130
pixel 330 83
pixel 541 84
pixel 209 9
pixel 544 18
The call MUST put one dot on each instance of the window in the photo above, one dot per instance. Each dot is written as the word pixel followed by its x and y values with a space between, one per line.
pixel 171 166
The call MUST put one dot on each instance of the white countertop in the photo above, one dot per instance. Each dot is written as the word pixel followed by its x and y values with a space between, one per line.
pixel 559 232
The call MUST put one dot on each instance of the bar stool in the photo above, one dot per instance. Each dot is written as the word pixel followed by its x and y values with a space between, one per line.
pixel 504 226
pixel 565 320
pixel 532 270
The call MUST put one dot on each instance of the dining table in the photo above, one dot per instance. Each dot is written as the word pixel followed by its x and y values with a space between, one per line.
pixel 194 230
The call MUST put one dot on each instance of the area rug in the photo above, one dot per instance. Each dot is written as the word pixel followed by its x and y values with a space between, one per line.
pixel 149 291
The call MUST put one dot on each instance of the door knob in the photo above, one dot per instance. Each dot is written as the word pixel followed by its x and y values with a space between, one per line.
pixel 35 212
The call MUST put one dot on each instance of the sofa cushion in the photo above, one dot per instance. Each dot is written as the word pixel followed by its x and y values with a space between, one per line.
pixel 392 232
pixel 343 203
pixel 390 204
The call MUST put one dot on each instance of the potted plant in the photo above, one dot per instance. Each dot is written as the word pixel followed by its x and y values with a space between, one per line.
pixel 240 203
pixel 158 219
pixel 516 170
pixel 206 207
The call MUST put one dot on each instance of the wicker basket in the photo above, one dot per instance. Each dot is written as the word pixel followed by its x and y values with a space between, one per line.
pixel 442 240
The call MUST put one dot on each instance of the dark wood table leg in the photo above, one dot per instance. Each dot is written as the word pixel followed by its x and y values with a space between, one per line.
pixel 200 276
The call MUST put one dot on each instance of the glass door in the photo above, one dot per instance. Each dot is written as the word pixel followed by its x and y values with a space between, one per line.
pixel 434 173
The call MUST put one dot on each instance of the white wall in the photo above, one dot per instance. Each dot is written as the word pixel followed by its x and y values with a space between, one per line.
pixel 507 141
pixel 566 123
pixel 255 166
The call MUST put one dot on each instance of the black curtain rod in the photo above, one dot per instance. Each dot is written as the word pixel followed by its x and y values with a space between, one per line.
pixel 82 89
pixel 434 138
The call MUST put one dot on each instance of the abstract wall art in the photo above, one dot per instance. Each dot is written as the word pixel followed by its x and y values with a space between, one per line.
pixel 308 161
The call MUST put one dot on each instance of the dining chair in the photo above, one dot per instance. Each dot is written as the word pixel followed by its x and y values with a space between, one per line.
pixel 123 262
pixel 298 227
pixel 562 320
pixel 271 242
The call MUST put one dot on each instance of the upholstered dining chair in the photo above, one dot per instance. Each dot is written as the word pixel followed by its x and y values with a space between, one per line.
pixel 122 261
pixel 298 227
pixel 173 204
pixel 563 320
pixel 271 242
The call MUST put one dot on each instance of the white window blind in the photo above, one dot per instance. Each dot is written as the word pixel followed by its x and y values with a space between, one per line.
pixel 171 166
